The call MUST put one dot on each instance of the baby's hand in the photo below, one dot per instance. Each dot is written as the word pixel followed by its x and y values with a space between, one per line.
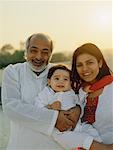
pixel 55 105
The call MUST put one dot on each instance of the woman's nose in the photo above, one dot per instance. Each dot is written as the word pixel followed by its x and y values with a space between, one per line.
pixel 85 67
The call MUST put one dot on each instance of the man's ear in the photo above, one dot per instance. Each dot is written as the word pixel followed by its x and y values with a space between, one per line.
pixel 100 63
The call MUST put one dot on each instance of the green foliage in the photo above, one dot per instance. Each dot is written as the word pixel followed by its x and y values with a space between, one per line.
pixel 7 58
pixel 18 56
pixel 60 57
pixel 6 48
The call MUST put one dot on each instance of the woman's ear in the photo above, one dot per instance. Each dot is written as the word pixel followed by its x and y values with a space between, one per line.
pixel 100 63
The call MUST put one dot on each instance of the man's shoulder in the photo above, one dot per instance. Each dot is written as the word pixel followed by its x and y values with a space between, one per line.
pixel 15 67
pixel 50 65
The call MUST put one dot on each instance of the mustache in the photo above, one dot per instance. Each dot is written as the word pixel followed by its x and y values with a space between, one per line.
pixel 39 61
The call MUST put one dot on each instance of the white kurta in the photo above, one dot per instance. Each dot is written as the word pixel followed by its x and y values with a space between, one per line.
pixel 29 127
pixel 47 96
pixel 68 139
pixel 103 123
pixel 104 115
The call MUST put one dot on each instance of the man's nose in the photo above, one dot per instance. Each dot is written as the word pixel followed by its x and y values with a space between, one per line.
pixel 39 55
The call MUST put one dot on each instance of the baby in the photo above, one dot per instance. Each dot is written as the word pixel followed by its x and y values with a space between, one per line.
pixel 58 95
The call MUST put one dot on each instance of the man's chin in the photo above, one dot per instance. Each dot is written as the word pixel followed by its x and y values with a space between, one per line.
pixel 37 68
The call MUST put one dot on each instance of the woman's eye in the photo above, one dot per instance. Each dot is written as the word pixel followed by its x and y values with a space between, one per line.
pixel 78 65
pixel 90 62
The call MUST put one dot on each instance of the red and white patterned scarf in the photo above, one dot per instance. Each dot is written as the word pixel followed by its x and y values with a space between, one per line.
pixel 91 104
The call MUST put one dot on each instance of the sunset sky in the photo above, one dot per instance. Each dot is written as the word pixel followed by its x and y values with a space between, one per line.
pixel 69 23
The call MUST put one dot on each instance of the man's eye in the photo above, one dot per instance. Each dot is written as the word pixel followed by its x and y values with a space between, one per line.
pixel 33 50
pixel 45 52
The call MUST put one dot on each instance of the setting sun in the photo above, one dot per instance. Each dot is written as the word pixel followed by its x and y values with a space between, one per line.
pixel 103 18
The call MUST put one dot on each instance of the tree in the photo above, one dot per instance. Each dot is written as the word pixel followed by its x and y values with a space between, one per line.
pixel 22 45
pixel 7 48
pixel 60 57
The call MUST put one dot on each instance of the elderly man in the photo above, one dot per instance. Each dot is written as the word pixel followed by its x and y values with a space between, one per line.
pixel 22 82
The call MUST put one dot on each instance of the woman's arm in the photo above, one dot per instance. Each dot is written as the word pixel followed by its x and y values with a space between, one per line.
pixel 97 146
pixel 100 146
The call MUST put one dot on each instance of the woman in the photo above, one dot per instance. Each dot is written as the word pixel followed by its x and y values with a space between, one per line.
pixel 88 68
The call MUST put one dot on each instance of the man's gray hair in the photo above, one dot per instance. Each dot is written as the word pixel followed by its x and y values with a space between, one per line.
pixel 38 36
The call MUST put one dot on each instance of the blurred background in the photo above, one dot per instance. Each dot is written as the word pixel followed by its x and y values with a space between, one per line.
pixel 69 23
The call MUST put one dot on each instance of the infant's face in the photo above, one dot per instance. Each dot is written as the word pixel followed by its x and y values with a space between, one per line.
pixel 60 81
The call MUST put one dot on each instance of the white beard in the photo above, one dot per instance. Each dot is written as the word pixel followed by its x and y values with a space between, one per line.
pixel 34 69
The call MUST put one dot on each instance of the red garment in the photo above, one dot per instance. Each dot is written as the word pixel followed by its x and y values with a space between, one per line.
pixel 91 104
pixel 89 110
pixel 102 82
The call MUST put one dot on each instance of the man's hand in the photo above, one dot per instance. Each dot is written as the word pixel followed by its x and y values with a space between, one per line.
pixel 63 123
pixel 74 114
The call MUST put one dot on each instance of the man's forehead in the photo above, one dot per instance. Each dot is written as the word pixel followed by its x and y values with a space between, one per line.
pixel 41 37
pixel 40 41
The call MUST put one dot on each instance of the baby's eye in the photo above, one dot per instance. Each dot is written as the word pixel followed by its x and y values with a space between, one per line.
pixel 66 79
pixel 56 78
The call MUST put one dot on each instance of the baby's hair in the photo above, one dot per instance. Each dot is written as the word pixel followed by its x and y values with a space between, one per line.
pixel 56 67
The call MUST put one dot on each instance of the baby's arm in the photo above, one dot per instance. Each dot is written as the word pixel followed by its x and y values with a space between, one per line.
pixel 55 105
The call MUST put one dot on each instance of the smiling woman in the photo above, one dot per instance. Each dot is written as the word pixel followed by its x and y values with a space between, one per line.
pixel 89 68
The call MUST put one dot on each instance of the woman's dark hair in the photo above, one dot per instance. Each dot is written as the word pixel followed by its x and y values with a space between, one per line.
pixel 56 67
pixel 93 50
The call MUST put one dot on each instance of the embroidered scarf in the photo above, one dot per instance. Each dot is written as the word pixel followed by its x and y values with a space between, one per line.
pixel 91 104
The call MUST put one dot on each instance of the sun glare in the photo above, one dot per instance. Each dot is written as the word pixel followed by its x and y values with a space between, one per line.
pixel 103 18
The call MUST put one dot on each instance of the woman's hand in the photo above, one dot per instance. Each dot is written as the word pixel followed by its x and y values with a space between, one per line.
pixel 100 146
pixel 87 89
